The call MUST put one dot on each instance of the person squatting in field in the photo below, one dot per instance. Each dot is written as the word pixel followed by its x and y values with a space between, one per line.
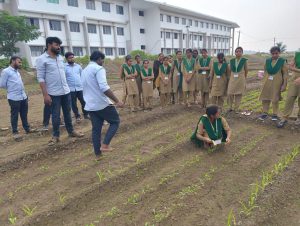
pixel 212 129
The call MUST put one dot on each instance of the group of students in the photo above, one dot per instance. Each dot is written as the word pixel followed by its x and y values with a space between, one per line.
pixel 189 78
pixel 185 80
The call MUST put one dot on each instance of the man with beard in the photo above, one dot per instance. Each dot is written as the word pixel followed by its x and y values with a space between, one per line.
pixel 52 78
pixel 11 80
pixel 156 65
pixel 73 74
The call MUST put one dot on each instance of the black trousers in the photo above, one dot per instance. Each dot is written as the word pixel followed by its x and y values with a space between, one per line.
pixel 74 96
pixel 16 108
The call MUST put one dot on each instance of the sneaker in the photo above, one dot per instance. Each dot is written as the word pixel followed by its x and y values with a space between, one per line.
pixel 17 137
pixel 281 123
pixel 297 122
pixel 263 117
pixel 274 118
pixel 53 141
pixel 76 134
pixel 30 130
pixel 45 128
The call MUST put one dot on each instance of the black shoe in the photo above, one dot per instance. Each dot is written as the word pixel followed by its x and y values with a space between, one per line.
pixel 274 118
pixel 281 123
pixel 263 117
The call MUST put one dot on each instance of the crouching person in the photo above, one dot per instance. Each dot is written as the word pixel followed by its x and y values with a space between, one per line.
pixel 212 129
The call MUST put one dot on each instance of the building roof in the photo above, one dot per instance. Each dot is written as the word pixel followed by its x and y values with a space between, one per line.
pixel 176 9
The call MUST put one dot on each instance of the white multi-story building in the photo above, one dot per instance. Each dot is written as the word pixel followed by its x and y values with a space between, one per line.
pixel 117 27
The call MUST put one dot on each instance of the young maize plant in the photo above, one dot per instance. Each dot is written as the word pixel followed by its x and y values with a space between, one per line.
pixel 12 218
pixel 62 198
pixel 133 199
pixel 28 211
pixel 101 176
pixel 231 219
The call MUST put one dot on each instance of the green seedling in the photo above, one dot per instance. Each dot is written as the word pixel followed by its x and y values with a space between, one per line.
pixel 101 176
pixel 133 199
pixel 62 198
pixel 114 211
pixel 231 219
pixel 28 211
pixel 12 218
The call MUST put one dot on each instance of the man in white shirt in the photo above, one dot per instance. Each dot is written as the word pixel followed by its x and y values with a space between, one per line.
pixel 98 95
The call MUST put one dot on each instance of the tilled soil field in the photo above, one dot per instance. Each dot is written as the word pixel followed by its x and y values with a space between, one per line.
pixel 155 175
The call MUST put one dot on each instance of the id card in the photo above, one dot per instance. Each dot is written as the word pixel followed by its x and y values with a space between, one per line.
pixel 149 82
pixel 236 75
pixel 132 80
pixel 271 78
pixel 218 76
pixel 178 74
pixel 203 72
pixel 217 142
pixel 190 72
pixel 166 78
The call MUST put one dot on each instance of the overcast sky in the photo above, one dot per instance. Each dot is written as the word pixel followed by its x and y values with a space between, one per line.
pixel 260 20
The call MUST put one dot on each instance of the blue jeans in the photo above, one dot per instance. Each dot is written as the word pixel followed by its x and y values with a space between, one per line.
pixel 16 108
pixel 63 102
pixel 110 115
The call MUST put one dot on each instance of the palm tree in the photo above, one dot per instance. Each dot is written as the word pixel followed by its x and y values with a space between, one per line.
pixel 281 46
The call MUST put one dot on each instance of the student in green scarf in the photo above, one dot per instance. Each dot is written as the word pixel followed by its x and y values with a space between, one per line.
pixel 293 92
pixel 212 129
pixel 237 81
pixel 274 83
pixel 147 77
pixel 219 75
pixel 138 66
pixel 163 81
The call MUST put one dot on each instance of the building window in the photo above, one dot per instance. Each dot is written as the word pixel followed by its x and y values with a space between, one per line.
pixel 202 24
pixel 195 37
pixel 196 23
pixel 121 51
pixel 168 51
pixel 212 26
pixel 143 47
pixel 168 35
pixel 169 19
pixel 221 27
pixel 120 9
pixel 175 35
pixel 33 22
pixel 105 7
pixel 55 25
pixel 217 27
pixel 92 28
pixel 109 51
pixel 120 31
pixel 73 3
pixel 207 25
pixel 142 31
pixel 107 30
pixel 90 4
pixel 93 49
pixel 183 21
pixel 228 29
pixel 190 22
pixel 184 36
pixel 74 27
pixel 53 1
pixel 161 17
pixel 200 38
pixel 161 34
pixel 215 39
pixel 36 51
pixel 176 20
pixel 78 51
pixel 141 13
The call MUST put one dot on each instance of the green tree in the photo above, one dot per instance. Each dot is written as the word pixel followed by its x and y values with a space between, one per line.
pixel 281 46
pixel 14 29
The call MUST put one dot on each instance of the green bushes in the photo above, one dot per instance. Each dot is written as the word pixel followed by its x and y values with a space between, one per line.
pixel 143 55
pixel 5 63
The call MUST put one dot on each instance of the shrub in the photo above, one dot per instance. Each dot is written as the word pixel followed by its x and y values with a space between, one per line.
pixel 143 55
pixel 83 61
pixel 4 63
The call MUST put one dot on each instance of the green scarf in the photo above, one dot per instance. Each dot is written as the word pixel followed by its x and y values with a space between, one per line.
pixel 214 132
pixel 162 68
pixel 297 60
pixel 128 70
pixel 204 63
pixel 222 70
pixel 178 67
pixel 138 68
pixel 274 70
pixel 189 66
pixel 145 73
pixel 234 67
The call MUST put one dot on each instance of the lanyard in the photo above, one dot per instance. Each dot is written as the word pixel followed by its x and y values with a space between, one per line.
pixel 237 63
pixel 204 62
pixel 215 130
